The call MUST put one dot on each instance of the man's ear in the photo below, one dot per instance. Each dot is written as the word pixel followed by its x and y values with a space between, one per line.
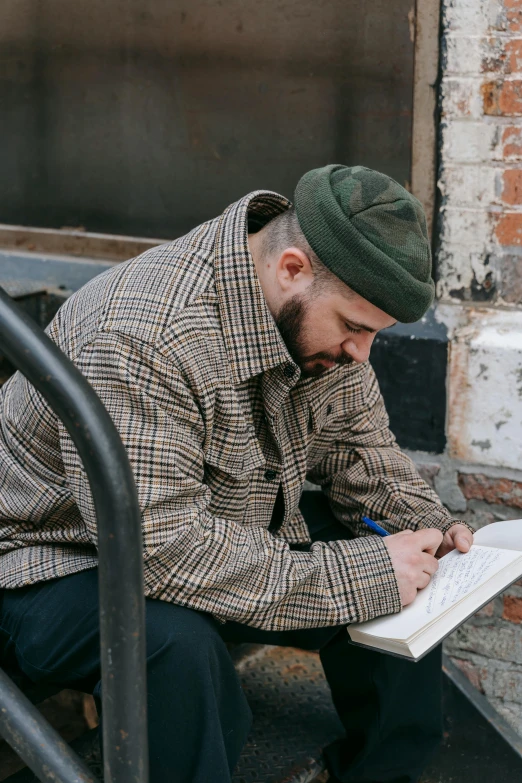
pixel 293 271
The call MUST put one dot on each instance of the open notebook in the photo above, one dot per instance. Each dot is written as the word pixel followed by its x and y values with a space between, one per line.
pixel 463 584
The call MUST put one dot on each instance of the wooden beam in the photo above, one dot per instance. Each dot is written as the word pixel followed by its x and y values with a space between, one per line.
pixel 426 25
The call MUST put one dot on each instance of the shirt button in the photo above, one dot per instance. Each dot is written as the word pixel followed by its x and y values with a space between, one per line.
pixel 329 410
pixel 289 370
pixel 270 475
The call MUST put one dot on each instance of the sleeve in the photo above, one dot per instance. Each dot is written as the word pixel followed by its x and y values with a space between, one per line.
pixel 199 560
pixel 364 472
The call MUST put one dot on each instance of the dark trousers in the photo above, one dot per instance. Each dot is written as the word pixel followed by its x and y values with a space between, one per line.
pixel 199 718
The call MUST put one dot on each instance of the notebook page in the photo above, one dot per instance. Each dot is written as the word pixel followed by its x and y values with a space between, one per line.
pixel 458 574
pixel 504 535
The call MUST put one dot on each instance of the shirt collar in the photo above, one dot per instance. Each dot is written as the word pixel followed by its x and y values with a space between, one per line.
pixel 252 339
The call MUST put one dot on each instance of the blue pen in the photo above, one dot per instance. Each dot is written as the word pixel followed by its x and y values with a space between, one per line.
pixel 375 527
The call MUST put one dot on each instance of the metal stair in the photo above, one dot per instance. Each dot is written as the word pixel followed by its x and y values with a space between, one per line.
pixel 294 719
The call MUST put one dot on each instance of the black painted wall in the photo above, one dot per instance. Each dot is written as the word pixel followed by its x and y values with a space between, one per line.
pixel 410 361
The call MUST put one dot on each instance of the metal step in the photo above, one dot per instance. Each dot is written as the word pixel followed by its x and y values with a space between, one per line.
pixel 294 719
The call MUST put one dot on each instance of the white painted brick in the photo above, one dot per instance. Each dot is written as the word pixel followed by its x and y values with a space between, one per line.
pixel 464 141
pixel 471 17
pixel 461 97
pixel 458 267
pixel 469 227
pixel 463 55
pixel 468 185
pixel 485 388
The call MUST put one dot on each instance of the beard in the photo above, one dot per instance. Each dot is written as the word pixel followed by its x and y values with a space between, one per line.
pixel 291 324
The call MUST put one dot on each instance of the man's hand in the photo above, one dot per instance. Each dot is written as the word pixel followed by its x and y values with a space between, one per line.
pixel 413 559
pixel 457 537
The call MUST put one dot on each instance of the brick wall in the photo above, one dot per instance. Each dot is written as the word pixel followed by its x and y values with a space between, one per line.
pixel 479 290
pixel 481 181
pixel 488 648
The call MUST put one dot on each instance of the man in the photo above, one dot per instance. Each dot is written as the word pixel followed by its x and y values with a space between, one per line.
pixel 234 362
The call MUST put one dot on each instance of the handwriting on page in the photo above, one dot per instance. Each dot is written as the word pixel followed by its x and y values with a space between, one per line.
pixel 458 574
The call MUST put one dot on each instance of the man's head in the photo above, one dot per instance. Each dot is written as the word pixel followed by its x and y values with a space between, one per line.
pixel 350 259
pixel 321 320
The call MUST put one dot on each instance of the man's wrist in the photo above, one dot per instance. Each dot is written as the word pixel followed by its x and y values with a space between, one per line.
pixel 444 524
pixel 372 587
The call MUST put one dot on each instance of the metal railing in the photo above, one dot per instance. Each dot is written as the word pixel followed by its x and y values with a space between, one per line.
pixel 122 604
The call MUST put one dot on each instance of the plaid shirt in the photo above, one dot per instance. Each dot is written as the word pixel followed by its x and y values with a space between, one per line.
pixel 181 347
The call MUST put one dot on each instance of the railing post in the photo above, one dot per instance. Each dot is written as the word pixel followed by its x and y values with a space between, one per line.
pixel 120 547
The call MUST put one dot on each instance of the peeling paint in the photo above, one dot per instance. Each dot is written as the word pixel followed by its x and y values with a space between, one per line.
pixel 480 249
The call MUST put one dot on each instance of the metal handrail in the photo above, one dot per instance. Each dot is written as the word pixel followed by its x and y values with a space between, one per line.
pixel 120 548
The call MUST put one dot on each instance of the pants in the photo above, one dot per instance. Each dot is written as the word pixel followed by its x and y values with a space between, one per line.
pixel 199 718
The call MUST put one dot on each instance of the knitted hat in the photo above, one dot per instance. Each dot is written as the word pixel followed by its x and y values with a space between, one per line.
pixel 371 233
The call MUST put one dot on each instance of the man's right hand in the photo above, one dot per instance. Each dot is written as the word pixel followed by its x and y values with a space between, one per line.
pixel 412 556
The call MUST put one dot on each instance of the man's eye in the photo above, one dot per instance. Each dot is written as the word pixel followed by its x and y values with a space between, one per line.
pixel 352 328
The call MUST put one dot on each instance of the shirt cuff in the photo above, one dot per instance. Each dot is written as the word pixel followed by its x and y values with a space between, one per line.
pixel 369 577
pixel 443 524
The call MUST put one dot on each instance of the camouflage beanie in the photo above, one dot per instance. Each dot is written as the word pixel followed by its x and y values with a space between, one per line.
pixel 371 233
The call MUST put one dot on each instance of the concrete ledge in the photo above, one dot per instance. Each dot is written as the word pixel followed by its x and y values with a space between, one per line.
pixel 65 272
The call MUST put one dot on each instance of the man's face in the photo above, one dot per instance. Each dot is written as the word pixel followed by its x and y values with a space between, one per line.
pixel 323 330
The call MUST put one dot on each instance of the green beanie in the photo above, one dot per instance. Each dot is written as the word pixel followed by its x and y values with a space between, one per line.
pixel 371 233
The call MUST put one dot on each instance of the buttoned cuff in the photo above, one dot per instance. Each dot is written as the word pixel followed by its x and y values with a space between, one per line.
pixel 369 577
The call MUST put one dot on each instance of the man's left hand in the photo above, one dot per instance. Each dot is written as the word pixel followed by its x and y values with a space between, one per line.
pixel 457 537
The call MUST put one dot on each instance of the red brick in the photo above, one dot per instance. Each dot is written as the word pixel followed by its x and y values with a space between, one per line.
pixel 514 15
pixel 513 52
pixel 512 609
pixel 490 96
pixel 509 229
pixel 512 142
pixel 476 486
pixel 512 190
pixel 502 97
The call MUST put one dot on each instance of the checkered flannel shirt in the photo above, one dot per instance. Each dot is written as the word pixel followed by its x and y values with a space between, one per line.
pixel 181 347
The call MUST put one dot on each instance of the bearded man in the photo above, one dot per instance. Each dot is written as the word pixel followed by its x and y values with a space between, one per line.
pixel 234 363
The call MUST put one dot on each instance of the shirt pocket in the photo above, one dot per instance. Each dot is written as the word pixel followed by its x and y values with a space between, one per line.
pixel 233 448
pixel 234 453
pixel 229 464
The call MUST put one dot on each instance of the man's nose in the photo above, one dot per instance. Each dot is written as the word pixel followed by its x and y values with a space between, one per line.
pixel 359 348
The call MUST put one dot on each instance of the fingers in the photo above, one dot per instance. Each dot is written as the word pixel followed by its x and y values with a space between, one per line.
pixel 463 540
pixel 424 580
pixel 429 539
pixel 462 543
pixel 429 564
